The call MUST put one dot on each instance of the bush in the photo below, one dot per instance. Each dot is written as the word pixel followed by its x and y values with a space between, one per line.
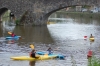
pixel 93 61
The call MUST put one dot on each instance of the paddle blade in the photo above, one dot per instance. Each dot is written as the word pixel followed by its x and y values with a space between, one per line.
pixel 32 46
pixel 9 32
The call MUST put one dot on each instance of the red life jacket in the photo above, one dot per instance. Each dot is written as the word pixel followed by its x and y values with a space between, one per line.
pixel 30 54
pixel 12 35
pixel 89 53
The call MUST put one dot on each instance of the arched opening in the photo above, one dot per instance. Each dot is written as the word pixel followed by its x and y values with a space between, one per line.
pixel 7 19
pixel 51 12
pixel 5 12
pixel 2 11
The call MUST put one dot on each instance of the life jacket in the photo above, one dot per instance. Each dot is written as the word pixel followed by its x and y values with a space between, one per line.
pixel 12 35
pixel 89 54
pixel 30 54
pixel 49 51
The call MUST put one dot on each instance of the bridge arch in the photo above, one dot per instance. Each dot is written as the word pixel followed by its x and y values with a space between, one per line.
pixel 36 12
pixel 3 10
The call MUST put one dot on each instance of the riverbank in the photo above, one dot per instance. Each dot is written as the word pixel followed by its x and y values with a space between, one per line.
pixel 82 14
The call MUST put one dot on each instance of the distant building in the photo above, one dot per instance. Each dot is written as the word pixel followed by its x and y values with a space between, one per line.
pixel 78 8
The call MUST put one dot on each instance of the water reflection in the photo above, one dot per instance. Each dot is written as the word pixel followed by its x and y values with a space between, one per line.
pixel 71 18
pixel 28 34
pixel 10 41
pixel 34 34
pixel 32 63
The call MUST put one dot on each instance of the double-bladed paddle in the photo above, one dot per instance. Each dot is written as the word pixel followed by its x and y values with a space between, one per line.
pixel 10 33
pixel 32 46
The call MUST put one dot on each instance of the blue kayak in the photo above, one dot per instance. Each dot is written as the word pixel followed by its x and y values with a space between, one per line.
pixel 16 37
pixel 58 55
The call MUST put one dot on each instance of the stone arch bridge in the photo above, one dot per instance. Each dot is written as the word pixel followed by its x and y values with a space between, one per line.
pixel 36 12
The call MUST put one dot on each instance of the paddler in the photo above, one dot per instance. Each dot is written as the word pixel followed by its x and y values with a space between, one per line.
pixel 33 54
pixel 50 51
pixel 91 36
pixel 13 35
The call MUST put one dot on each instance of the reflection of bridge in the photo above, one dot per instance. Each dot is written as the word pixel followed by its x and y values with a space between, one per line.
pixel 36 12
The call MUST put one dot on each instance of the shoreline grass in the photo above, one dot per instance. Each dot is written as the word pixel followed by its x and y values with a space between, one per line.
pixel 93 61
pixel 82 14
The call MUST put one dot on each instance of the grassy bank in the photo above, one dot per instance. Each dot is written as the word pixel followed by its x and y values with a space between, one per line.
pixel 93 61
pixel 82 14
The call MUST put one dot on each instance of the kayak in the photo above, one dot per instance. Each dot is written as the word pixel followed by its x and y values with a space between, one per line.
pixel 92 39
pixel 58 55
pixel 41 57
pixel 16 37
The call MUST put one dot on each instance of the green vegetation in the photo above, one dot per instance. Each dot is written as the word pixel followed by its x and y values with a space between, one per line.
pixel 5 16
pixel 21 18
pixel 93 61
pixel 82 14
pixel 85 6
pixel 73 6
pixel 17 21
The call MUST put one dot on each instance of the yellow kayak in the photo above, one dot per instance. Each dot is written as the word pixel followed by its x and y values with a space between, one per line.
pixel 41 57
pixel 92 39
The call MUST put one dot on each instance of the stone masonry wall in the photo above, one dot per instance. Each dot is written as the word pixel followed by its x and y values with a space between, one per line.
pixel 38 11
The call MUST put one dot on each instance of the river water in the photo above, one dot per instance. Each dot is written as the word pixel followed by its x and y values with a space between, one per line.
pixel 64 32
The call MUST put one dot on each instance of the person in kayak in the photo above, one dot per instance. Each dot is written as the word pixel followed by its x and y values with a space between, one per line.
pixel 91 36
pixel 50 51
pixel 33 54
pixel 13 35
